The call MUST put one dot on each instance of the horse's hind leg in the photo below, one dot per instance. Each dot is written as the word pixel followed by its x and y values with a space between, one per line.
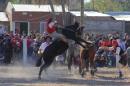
pixel 43 67
pixel 70 62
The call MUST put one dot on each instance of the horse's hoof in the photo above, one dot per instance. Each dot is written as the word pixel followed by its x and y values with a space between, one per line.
pixel 95 70
pixel 39 78
pixel 120 75
pixel 92 72
pixel 82 73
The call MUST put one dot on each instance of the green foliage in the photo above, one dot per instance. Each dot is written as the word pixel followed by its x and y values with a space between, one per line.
pixel 126 5
pixel 108 5
pixel 14 1
pixel 36 1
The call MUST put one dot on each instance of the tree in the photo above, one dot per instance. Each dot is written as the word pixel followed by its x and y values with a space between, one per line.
pixel 125 5
pixel 104 5
pixel 3 4
pixel 14 1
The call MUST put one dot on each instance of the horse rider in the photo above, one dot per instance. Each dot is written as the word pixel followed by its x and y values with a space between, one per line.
pixel 70 32
pixel 51 30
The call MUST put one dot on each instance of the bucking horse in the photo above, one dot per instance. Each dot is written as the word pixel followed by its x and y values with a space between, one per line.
pixel 59 46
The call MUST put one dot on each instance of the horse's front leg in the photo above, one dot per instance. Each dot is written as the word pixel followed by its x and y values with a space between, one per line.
pixel 93 68
pixel 92 60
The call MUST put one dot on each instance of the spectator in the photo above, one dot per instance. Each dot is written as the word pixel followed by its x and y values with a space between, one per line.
pixel 45 44
pixel 42 48
pixel 8 50
pixel 127 53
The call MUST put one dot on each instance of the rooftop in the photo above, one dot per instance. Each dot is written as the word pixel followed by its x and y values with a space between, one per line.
pixel 3 16
pixel 90 13
pixel 125 16
pixel 37 8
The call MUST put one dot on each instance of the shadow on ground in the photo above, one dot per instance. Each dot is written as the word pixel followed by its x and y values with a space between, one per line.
pixel 108 81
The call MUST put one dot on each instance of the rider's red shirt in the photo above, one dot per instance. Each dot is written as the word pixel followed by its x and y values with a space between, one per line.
pixel 50 28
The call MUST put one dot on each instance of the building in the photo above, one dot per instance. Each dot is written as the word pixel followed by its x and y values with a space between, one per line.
pixel 25 18
pixel 124 17
pixel 97 22
pixel 4 22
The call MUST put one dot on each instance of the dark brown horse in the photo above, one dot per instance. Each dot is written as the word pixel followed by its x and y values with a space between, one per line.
pixel 56 48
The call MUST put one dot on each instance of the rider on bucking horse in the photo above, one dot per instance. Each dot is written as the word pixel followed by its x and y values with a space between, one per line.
pixel 70 32
pixel 60 43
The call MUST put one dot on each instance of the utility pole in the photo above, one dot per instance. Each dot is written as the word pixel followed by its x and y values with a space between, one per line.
pixel 82 22
pixel 64 14
pixel 39 3
pixel 52 8
pixel 82 12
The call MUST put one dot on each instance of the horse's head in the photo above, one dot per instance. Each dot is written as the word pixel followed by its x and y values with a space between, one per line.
pixel 76 25
pixel 80 30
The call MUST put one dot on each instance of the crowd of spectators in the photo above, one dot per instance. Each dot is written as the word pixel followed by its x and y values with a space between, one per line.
pixel 107 46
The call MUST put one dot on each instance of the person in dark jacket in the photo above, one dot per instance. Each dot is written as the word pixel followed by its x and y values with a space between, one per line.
pixel 1 48
pixel 8 49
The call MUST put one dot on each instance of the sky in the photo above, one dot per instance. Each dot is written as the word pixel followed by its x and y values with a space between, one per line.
pixel 87 1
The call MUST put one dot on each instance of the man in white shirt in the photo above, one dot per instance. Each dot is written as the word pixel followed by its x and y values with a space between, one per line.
pixel 44 44
pixel 42 48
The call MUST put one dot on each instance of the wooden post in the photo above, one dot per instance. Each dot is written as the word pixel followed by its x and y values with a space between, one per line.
pixel 24 50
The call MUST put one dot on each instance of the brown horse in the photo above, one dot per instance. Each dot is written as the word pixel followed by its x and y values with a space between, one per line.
pixel 87 60
pixel 87 52
pixel 87 57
